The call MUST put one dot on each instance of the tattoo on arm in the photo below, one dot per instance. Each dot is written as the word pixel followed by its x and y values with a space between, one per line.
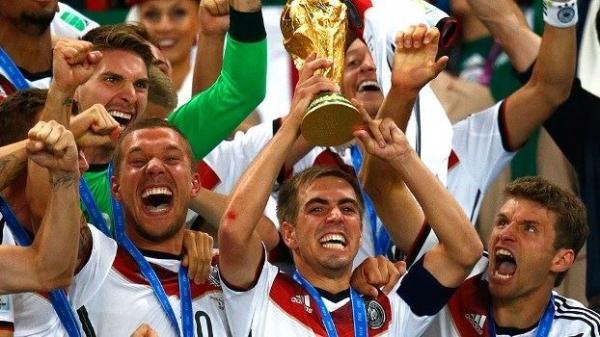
pixel 63 180
pixel 85 246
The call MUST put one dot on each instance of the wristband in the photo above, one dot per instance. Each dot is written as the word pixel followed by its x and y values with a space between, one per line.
pixel 560 14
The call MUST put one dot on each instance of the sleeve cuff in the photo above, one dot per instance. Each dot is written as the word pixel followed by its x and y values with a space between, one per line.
pixel 246 27
pixel 422 292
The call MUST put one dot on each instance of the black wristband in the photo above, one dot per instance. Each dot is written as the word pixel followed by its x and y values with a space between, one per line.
pixel 246 27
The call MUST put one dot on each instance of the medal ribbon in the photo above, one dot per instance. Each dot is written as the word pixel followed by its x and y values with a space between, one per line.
pixel 152 278
pixel 12 71
pixel 359 313
pixel 57 297
pixel 92 208
pixel 544 326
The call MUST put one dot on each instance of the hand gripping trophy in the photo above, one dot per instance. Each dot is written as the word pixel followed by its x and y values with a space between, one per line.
pixel 320 26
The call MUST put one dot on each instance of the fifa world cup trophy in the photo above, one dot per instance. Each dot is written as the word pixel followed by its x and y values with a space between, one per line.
pixel 320 26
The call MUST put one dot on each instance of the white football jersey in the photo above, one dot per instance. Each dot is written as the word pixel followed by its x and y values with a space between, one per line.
pixel 467 313
pixel 478 157
pixel 6 301
pixel 278 306
pixel 70 23
pixel 124 299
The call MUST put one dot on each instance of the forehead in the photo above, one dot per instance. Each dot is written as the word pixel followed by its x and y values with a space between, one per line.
pixel 165 4
pixel 153 140
pixel 123 63
pixel 357 47
pixel 329 188
pixel 521 209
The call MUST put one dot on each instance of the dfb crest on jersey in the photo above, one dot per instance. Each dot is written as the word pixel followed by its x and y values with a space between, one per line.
pixel 375 315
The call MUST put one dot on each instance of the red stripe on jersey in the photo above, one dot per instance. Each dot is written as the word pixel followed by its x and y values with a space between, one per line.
pixel 126 266
pixel 452 160
pixel 296 302
pixel 469 308
pixel 208 178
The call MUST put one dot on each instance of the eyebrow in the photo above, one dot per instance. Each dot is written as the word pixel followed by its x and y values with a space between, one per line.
pixel 318 200
pixel 112 74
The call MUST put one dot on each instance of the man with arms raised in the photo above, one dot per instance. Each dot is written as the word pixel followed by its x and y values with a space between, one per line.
pixel 320 212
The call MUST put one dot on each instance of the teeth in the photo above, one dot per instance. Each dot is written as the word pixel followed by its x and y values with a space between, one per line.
pixel 156 209
pixel 503 252
pixel 166 43
pixel 120 114
pixel 336 246
pixel 501 276
pixel 156 191
pixel 366 84
pixel 333 237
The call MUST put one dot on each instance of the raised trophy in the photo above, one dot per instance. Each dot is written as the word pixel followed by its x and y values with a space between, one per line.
pixel 320 26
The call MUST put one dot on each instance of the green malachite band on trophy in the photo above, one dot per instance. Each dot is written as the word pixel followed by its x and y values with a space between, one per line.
pixel 330 120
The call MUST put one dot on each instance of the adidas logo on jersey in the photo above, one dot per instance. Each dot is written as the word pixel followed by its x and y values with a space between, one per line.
pixel 477 321
pixel 303 300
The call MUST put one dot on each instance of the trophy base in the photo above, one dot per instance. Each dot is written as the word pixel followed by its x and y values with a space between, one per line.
pixel 330 120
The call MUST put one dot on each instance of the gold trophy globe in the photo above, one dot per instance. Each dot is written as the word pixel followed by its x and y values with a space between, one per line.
pixel 320 26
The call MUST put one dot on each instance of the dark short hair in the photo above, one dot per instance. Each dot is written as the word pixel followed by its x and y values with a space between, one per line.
pixel 151 123
pixel 571 228
pixel 19 113
pixel 128 37
pixel 287 199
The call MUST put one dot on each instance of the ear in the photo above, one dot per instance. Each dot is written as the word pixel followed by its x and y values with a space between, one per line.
pixel 288 234
pixel 562 260
pixel 115 188
pixel 196 185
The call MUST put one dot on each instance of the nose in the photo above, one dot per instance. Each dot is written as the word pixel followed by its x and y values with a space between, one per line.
pixel 164 24
pixel 507 233
pixel 127 93
pixel 155 167
pixel 334 215
pixel 368 64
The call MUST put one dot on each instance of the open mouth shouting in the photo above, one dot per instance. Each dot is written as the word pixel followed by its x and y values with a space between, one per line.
pixel 157 200
pixel 368 86
pixel 505 265
pixel 123 118
pixel 333 241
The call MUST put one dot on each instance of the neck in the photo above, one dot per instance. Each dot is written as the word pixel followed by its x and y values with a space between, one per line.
pixel 522 312
pixel 330 281
pixel 21 45
pixel 180 71
pixel 173 245
pixel 98 155
pixel 473 28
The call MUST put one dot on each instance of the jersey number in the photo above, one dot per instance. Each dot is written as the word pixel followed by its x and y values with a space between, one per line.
pixel 203 329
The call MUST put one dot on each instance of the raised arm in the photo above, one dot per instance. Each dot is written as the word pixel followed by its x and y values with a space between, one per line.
pixel 240 245
pixel 49 262
pixel 451 261
pixel 505 21
pixel 548 87
pixel 73 63
pixel 239 89
pixel 414 66
pixel 213 16
pixel 12 161
pixel 211 205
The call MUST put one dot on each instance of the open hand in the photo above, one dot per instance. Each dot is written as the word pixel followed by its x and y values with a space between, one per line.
pixel 415 58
